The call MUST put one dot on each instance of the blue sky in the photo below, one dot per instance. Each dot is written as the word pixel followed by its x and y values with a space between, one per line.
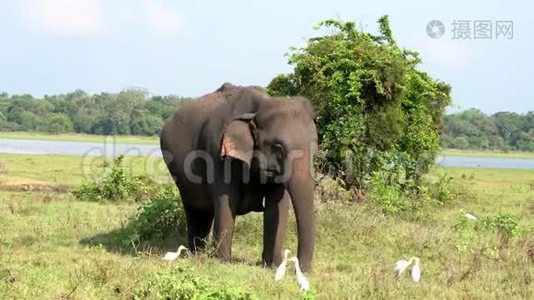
pixel 189 48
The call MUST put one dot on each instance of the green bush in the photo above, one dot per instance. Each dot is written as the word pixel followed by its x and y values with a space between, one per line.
pixel 183 284
pixel 118 185
pixel 466 232
pixel 374 108
pixel 441 190
pixel 158 223
pixel 506 224
pixel 387 194
pixel 330 189
pixel 160 216
pixel 388 189
pixel 445 189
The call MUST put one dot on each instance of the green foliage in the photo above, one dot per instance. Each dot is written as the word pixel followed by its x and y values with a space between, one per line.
pixel 58 123
pixel 308 295
pixel 117 185
pixel 393 198
pixel 331 189
pixel 446 189
pixel 466 233
pixel 146 125
pixel 128 112
pixel 183 284
pixel 375 110
pixel 506 224
pixel 390 197
pixel 160 216
pixel 503 131
pixel 282 85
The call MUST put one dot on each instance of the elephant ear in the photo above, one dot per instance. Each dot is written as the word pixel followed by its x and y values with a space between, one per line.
pixel 238 138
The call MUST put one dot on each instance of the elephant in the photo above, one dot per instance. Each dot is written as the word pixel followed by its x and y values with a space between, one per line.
pixel 237 150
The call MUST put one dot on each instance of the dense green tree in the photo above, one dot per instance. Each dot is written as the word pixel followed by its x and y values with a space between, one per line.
pixel 460 142
pixel 375 109
pixel 164 106
pixel 28 121
pixel 146 125
pixel 472 129
pixel 58 123
pixel 131 111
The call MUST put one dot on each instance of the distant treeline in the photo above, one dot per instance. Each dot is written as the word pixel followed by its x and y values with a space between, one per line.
pixel 134 112
pixel 131 111
pixel 503 131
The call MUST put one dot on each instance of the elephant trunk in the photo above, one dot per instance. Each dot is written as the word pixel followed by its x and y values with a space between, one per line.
pixel 301 189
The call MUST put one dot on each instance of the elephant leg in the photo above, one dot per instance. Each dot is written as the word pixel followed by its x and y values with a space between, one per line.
pixel 198 227
pixel 223 226
pixel 274 225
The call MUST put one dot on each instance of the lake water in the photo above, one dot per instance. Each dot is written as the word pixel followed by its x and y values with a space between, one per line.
pixel 486 162
pixel 108 148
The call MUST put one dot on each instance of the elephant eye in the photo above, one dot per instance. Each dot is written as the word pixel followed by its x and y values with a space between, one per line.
pixel 278 148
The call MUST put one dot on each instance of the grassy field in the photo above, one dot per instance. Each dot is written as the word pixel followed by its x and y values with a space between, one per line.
pixel 52 246
pixel 479 153
pixel 75 137
pixel 71 170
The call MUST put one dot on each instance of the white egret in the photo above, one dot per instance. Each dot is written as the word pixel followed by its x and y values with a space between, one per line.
pixel 281 270
pixel 171 256
pixel 401 266
pixel 416 269
pixel 470 216
pixel 301 279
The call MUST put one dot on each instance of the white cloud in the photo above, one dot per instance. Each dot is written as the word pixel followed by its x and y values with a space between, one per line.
pixel 163 19
pixel 76 18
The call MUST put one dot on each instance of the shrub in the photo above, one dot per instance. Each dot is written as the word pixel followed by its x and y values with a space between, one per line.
pixel 506 224
pixel 158 223
pixel 389 196
pixel 374 107
pixel 446 189
pixel 466 232
pixel 441 190
pixel 118 185
pixel 160 216
pixel 179 283
pixel 331 189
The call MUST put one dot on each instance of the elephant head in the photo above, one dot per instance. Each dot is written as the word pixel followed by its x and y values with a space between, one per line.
pixel 274 138
pixel 278 139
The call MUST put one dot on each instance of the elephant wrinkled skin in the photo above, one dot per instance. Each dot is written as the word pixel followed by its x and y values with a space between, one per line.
pixel 237 150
